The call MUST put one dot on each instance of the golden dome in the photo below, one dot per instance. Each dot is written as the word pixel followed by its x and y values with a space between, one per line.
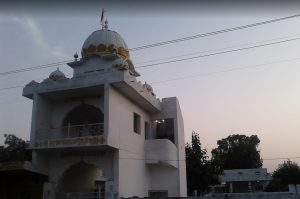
pixel 105 42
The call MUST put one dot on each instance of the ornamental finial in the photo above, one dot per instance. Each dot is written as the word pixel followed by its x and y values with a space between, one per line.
pixel 102 18
pixel 106 24
pixel 75 56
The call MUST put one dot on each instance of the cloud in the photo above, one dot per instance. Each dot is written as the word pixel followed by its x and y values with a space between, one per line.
pixel 22 44
pixel 23 38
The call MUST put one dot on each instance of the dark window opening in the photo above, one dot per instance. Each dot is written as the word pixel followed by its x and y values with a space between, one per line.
pixel 259 188
pixel 83 120
pixel 136 123
pixel 158 194
pixel 84 114
pixel 165 129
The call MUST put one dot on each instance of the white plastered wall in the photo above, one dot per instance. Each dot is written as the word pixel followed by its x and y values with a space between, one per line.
pixel 162 177
pixel 43 113
pixel 133 172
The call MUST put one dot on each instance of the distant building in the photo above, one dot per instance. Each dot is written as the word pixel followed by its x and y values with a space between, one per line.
pixel 243 181
pixel 101 133
pixel 18 180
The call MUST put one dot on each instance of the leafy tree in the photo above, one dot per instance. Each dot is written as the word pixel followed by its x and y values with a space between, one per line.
pixel 287 173
pixel 14 149
pixel 237 152
pixel 200 171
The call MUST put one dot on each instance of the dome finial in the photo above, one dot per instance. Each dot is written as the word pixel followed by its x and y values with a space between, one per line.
pixel 102 18
pixel 75 56
pixel 106 24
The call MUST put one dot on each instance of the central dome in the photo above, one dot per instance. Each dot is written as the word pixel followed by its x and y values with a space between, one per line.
pixel 105 42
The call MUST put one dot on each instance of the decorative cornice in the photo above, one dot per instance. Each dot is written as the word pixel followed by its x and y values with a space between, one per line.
pixel 105 49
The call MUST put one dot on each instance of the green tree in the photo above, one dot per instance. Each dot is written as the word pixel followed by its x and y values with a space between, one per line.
pixel 286 173
pixel 200 171
pixel 237 152
pixel 14 149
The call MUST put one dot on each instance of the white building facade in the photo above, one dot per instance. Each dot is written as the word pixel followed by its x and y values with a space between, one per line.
pixel 103 134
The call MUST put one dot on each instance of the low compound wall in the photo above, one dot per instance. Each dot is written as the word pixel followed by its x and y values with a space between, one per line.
pixel 263 195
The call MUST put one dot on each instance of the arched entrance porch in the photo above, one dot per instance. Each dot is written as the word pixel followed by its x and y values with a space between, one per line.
pixel 82 181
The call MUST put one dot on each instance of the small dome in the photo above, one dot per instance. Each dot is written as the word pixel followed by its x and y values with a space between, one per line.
pixel 148 87
pixel 57 75
pixel 105 42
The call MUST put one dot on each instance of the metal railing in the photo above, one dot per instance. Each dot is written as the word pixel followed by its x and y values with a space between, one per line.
pixel 78 195
pixel 70 131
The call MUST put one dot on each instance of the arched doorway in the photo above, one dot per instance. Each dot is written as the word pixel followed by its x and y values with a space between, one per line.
pixel 82 180
pixel 83 120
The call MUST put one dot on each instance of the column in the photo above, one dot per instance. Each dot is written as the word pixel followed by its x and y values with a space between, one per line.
pixel 249 187
pixel 230 187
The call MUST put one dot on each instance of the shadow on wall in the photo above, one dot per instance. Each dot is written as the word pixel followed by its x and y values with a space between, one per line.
pixel 83 114
pixel 80 177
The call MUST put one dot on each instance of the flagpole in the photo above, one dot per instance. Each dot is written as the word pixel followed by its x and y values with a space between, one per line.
pixel 102 18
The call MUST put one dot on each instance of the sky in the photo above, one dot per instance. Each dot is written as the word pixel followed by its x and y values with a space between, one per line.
pixel 253 91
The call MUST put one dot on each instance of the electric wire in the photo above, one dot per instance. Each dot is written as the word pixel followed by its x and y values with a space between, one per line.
pixel 166 62
pixel 218 53
pixel 16 101
pixel 225 71
pixel 144 159
pixel 11 87
pixel 190 76
pixel 35 67
pixel 212 50
pixel 281 158
pixel 164 43
pixel 174 41
pixel 214 32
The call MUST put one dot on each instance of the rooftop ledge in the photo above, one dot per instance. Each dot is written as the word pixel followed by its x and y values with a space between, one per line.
pixel 94 85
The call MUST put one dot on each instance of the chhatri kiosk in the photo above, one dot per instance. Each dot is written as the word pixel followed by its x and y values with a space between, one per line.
pixel 103 134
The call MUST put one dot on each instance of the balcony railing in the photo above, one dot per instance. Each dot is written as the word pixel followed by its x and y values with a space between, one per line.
pixel 78 195
pixel 70 131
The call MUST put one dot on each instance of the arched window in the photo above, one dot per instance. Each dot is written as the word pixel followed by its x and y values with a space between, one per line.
pixel 83 114
pixel 83 120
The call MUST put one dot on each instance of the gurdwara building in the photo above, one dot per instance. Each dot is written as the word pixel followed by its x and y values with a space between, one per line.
pixel 103 134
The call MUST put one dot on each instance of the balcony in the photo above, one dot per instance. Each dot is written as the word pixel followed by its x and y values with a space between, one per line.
pixel 161 151
pixel 70 136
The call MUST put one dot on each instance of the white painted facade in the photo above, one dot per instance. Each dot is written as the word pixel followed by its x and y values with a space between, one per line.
pixel 103 130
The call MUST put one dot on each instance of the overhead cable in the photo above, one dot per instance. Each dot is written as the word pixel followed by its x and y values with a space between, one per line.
pixel 218 53
pixel 167 42
pixel 35 67
pixel 214 33
pixel 190 76
pixel 216 49
pixel 159 63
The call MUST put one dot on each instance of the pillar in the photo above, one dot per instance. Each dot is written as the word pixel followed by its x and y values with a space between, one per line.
pixel 249 187
pixel 230 187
